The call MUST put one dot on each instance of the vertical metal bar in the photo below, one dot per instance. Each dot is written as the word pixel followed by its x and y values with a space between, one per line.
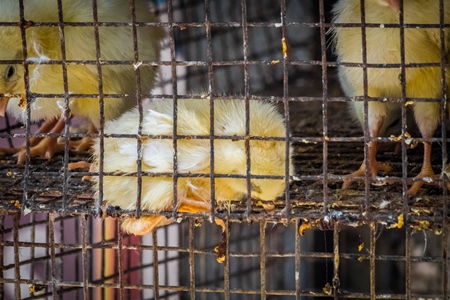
pixel 166 259
pixel 2 249
pixel 137 74
pixel 202 276
pixel 77 256
pixel 61 253
pixel 211 106
pixel 103 263
pixel 405 208
pixel 323 46
pixel 84 256
pixel 33 240
pixel 445 231
pixel 48 270
pixel 51 244
pixel 445 258
pixel 408 262
pixel 141 118
pixel 287 209
pixel 262 249
pixel 173 63
pixel 336 261
pixel 367 137
pixel 373 240
pixel 155 264
pixel 91 276
pixel 226 264
pixel 297 252
pixel 101 103
pixel 16 219
pixel 26 173
pixel 191 259
pixel 120 261
pixel 66 103
pixel 247 105
pixel 404 117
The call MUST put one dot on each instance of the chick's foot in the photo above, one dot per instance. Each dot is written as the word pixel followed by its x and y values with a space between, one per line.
pixel 46 148
pixel 82 165
pixel 374 169
pixel 82 145
pixel 426 172
pixel 196 206
pixel 4 151
pixel 145 224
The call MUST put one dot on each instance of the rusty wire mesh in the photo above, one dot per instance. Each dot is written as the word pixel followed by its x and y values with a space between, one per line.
pixel 56 241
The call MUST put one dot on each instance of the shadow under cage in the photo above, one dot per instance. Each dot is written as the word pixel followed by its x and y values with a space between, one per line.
pixel 60 240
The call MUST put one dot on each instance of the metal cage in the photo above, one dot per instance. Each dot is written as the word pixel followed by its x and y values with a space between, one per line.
pixel 58 241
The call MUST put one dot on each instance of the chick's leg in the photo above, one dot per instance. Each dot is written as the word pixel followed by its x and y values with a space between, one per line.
pixel 427 119
pixel 44 147
pixel 196 206
pixel 85 143
pixel 145 224
pixel 375 123
pixel 44 128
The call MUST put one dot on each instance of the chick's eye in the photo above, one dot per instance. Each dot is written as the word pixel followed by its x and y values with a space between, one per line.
pixel 10 72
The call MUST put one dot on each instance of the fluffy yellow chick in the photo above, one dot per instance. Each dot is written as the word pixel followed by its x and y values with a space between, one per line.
pixel 422 45
pixel 267 157
pixel 44 44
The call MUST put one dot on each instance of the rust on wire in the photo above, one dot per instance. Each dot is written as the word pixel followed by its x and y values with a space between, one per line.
pixel 58 239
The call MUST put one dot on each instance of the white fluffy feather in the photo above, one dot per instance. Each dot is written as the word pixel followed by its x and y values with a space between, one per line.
pixel 193 155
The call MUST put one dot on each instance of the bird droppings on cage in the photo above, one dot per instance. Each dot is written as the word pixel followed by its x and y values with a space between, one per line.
pixel 306 196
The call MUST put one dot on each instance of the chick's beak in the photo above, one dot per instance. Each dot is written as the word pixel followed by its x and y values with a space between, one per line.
pixel 3 104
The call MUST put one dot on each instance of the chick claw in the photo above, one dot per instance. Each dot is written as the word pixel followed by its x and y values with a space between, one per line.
pixel 45 149
pixel 82 165
pixel 379 166
pixel 425 172
pixel 4 151
pixel 82 145
pixel 145 224
pixel 195 206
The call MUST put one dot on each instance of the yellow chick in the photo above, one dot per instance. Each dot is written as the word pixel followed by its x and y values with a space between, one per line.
pixel 44 45
pixel 422 46
pixel 267 158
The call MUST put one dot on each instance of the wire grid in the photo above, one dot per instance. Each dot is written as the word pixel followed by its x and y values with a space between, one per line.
pixel 228 48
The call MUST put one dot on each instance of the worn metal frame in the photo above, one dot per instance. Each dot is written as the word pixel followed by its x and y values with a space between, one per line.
pixel 51 198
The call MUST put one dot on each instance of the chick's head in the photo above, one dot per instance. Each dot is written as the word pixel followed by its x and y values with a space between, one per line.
pixel 11 75
pixel 10 84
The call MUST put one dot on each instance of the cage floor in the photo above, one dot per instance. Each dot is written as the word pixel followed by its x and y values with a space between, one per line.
pixel 48 190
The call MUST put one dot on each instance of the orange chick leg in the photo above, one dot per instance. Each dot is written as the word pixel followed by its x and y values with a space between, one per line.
pixel 374 166
pixel 45 128
pixel 195 206
pixel 44 147
pixel 145 224
pixel 426 170
pixel 85 143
